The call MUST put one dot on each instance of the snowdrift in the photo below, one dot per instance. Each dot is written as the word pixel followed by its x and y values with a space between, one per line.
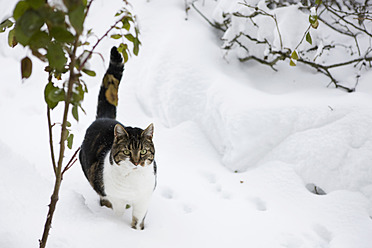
pixel 250 116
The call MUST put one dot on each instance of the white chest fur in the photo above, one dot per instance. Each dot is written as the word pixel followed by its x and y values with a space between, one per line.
pixel 126 183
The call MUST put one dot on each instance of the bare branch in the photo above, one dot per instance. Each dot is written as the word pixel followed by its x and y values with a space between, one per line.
pixel 262 61
pixel 219 27
pixel 262 12
pixel 71 162
pixel 342 24
pixel 51 141
pixel 334 12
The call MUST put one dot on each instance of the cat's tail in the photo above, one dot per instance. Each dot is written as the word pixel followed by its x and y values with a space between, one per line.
pixel 108 94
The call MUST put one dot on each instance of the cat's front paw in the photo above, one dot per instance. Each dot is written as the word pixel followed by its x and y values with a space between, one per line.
pixel 136 225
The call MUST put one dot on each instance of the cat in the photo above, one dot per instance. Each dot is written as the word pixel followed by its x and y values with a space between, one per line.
pixel 118 161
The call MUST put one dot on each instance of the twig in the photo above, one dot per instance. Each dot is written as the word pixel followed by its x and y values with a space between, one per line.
pixel 357 81
pixel 262 61
pixel 250 38
pixel 331 25
pixel 348 32
pixel 280 55
pixel 88 8
pixel 349 62
pixel 95 45
pixel 71 162
pixel 205 18
pixel 325 70
pixel 303 37
pixel 51 140
pixel 333 11
pixel 262 12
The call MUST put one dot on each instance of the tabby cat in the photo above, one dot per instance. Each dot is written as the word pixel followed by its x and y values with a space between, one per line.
pixel 118 161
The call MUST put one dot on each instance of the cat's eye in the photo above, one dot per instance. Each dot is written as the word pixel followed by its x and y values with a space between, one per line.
pixel 143 152
pixel 126 152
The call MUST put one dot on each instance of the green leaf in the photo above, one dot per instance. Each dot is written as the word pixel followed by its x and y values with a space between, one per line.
pixel 308 38
pixel 77 95
pixel 30 22
pixel 39 40
pixel 12 42
pixel 318 2
pixel 26 67
pixel 70 140
pixel 61 34
pixel 68 124
pixel 123 50
pixel 54 17
pixel 75 113
pixel 53 95
pixel 47 89
pixel 126 24
pixel 82 109
pixel 313 19
pixel 20 9
pixel 85 89
pixel 89 72
pixel 315 24
pixel 125 55
pixel 35 4
pixel 72 4
pixel 137 32
pixel 57 95
pixel 122 47
pixel 292 63
pixel 294 55
pixel 119 13
pixel 130 37
pixel 76 17
pixel 5 24
pixel 20 36
pixel 56 57
pixel 116 36
pixel 136 47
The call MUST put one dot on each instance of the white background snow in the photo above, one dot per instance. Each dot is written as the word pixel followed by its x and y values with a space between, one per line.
pixel 280 131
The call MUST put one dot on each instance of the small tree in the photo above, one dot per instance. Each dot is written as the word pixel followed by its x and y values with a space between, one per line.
pixel 56 35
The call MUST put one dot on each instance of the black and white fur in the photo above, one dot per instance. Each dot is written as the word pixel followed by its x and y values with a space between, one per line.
pixel 118 161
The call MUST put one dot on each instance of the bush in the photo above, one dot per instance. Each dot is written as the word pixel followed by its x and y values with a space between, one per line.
pixel 322 35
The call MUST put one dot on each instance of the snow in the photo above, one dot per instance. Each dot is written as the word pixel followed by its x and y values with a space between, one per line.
pixel 237 146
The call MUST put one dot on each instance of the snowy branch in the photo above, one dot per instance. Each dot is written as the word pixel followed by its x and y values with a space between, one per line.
pixel 344 23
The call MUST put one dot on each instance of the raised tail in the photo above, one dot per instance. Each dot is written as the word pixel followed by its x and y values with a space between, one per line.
pixel 108 94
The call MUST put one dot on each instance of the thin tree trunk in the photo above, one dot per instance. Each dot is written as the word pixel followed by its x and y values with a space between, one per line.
pixel 52 206
pixel 58 170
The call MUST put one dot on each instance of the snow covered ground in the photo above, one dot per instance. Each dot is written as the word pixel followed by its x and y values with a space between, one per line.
pixel 237 145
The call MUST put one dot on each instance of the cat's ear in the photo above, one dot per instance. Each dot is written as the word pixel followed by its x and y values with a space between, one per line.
pixel 120 132
pixel 148 132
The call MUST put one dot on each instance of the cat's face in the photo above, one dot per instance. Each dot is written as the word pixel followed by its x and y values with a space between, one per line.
pixel 134 145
